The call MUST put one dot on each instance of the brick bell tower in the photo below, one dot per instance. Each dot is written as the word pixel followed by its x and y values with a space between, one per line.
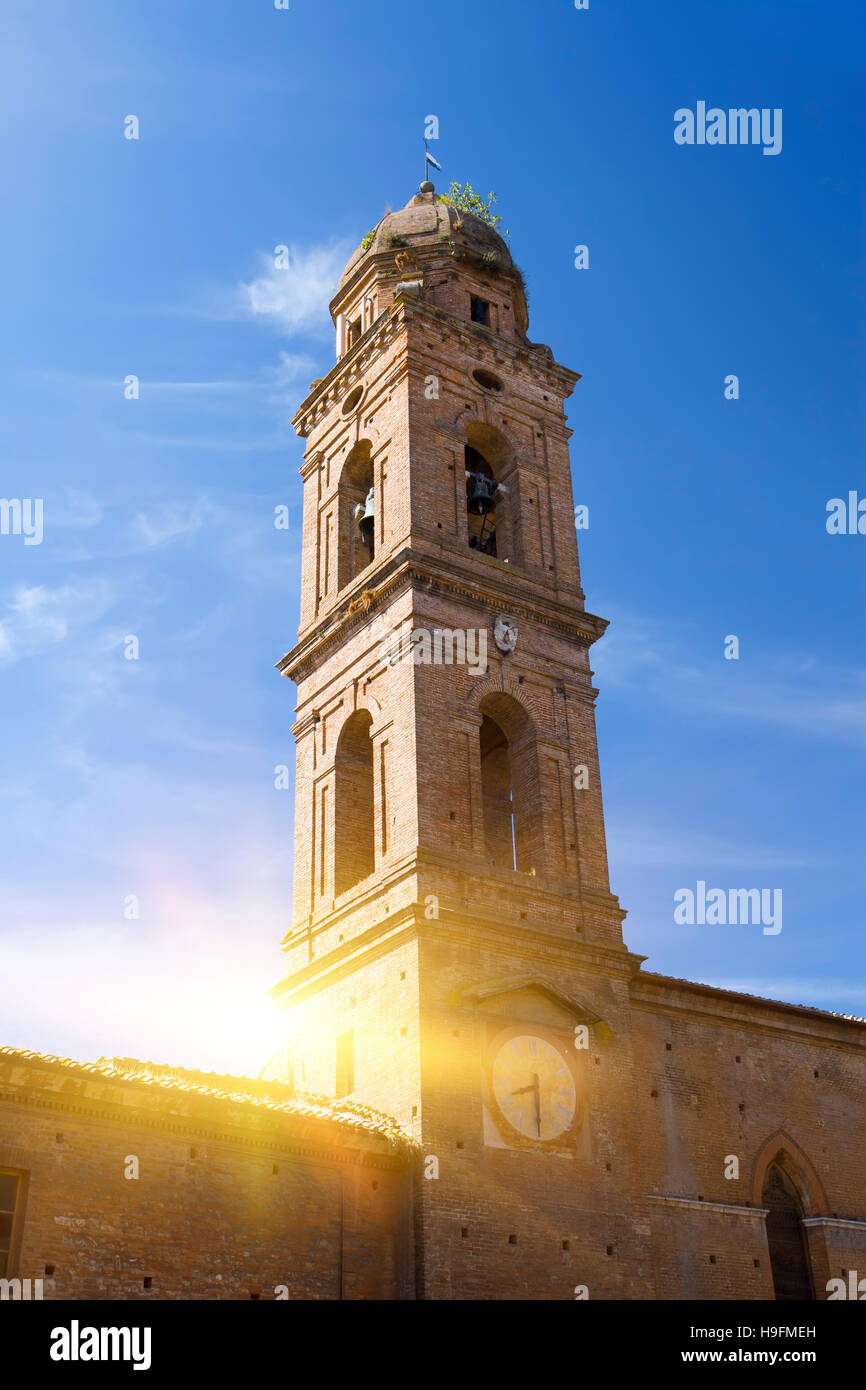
pixel 456 957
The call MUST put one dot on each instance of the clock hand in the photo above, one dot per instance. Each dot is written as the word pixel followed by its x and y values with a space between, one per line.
pixel 537 1090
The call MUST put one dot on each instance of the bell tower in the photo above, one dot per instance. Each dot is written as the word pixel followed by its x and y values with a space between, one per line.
pixel 455 957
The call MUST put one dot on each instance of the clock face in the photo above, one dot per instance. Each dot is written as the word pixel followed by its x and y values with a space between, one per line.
pixel 534 1087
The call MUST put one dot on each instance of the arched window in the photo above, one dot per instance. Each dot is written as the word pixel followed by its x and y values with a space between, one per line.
pixel 490 500
pixel 354 856
pixel 789 1259
pixel 511 801
pixel 357 541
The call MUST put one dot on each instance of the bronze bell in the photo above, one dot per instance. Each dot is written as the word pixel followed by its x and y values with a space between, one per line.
pixel 365 519
pixel 480 490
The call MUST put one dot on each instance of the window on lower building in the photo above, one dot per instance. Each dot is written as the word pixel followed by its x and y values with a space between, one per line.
pixel 479 311
pixel 345 1064
pixel 10 1196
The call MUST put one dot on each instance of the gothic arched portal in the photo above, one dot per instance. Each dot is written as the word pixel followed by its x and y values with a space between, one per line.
pixel 786 1236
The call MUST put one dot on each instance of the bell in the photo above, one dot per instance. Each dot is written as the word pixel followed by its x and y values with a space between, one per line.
pixel 480 489
pixel 365 520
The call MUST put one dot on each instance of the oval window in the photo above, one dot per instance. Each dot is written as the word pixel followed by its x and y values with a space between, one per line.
pixel 353 400
pixel 487 380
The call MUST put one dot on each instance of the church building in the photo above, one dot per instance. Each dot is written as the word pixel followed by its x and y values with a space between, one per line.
pixel 483 1095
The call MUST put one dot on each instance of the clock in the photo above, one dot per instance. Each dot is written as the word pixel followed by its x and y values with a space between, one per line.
pixel 534 1087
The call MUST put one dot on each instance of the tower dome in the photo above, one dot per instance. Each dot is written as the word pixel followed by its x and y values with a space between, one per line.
pixel 409 246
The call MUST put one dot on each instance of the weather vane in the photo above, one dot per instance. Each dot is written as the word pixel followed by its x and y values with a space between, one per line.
pixel 428 160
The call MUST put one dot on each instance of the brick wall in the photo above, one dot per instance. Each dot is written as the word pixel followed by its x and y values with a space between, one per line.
pixel 233 1197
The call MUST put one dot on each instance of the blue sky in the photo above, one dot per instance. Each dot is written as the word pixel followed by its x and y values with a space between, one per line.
pixel 707 517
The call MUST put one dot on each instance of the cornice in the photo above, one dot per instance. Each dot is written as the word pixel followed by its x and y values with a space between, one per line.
pixel 329 389
pixel 662 994
pixel 408 569
pixel 409 923
pixel 835 1221
pixel 197 1127
pixel 714 1208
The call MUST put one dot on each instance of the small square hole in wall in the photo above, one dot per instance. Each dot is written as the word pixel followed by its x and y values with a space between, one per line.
pixel 757 1264
pixel 148 1281
pixel 193 1153
pixel 653 1094
pixel 58 1138
pixel 668 1047
pixel 464 1232
pixel 814 1073
pixel 742 1108
pixel 460 1143
pixel 49 1271
pixel 523 916
pixel 712 1259
pixel 737 1059
pixel 512 1240
pixel 610 1249
pixel 414 1111
pixel 607 1167
pixel 402 974
pixel 566 1245
pixel 597 1061
pixel 375 1186
pixel 452 815
pixel 255 1296
pixel 276 1168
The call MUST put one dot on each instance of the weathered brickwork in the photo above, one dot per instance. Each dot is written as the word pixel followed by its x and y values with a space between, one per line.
pixel 572 1125
pixel 235 1197
pixel 458 935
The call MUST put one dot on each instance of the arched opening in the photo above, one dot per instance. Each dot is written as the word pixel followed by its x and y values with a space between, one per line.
pixel 354 854
pixel 786 1237
pixel 490 504
pixel 357 541
pixel 510 793
pixel 497 793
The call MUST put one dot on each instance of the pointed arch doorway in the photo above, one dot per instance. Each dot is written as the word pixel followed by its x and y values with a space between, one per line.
pixel 786 1237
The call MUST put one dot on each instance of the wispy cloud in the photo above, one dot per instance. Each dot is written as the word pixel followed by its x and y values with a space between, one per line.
pixel 196 441
pixel 785 689
pixel 170 523
pixel 38 618
pixel 637 845
pixel 296 298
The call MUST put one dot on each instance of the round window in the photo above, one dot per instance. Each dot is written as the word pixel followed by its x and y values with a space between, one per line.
pixel 353 400
pixel 487 380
